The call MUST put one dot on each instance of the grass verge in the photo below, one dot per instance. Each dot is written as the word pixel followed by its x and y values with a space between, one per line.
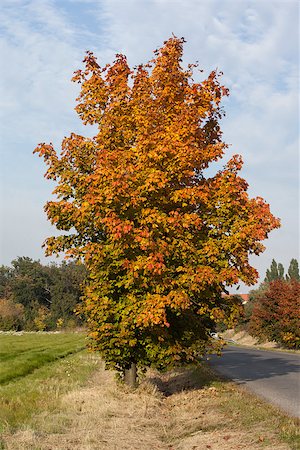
pixel 179 410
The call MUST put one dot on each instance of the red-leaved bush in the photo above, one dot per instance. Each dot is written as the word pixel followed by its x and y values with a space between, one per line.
pixel 276 314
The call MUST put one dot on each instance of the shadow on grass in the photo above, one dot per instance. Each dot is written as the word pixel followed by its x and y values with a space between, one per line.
pixel 190 378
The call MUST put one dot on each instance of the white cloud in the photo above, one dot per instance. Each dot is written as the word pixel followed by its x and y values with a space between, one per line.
pixel 39 61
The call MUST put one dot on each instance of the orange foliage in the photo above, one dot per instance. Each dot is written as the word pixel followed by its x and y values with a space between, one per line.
pixel 160 239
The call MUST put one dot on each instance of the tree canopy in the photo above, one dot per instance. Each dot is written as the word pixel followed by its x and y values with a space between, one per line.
pixel 275 314
pixel 293 270
pixel 160 238
pixel 276 271
pixel 34 296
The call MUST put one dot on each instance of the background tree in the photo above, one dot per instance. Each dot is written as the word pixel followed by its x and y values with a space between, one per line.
pixel 44 294
pixel 293 270
pixel 159 237
pixel 11 315
pixel 254 296
pixel 30 287
pixel 275 272
pixel 65 291
pixel 275 314
pixel 5 281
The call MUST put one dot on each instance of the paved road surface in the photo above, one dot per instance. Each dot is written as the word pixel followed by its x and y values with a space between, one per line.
pixel 272 375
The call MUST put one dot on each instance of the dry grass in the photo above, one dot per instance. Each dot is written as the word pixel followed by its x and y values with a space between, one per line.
pixel 245 339
pixel 181 410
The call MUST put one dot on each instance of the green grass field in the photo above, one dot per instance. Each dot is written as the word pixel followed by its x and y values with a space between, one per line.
pixel 35 369
pixel 21 354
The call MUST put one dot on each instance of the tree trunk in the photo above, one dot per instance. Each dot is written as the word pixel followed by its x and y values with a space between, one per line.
pixel 130 375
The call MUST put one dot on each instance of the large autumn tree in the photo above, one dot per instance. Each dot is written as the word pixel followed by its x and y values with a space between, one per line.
pixel 160 238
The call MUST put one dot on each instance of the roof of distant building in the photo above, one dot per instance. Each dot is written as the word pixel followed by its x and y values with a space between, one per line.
pixel 244 297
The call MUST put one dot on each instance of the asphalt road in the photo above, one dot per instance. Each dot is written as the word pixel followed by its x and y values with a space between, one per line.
pixel 275 376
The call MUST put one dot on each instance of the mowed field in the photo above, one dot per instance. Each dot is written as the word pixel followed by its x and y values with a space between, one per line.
pixel 55 395
pixel 35 370
pixel 21 354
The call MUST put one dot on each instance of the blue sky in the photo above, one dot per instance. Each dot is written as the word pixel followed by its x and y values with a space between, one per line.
pixel 255 44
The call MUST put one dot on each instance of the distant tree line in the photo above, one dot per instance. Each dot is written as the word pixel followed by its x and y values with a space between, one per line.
pixel 37 297
pixel 272 312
